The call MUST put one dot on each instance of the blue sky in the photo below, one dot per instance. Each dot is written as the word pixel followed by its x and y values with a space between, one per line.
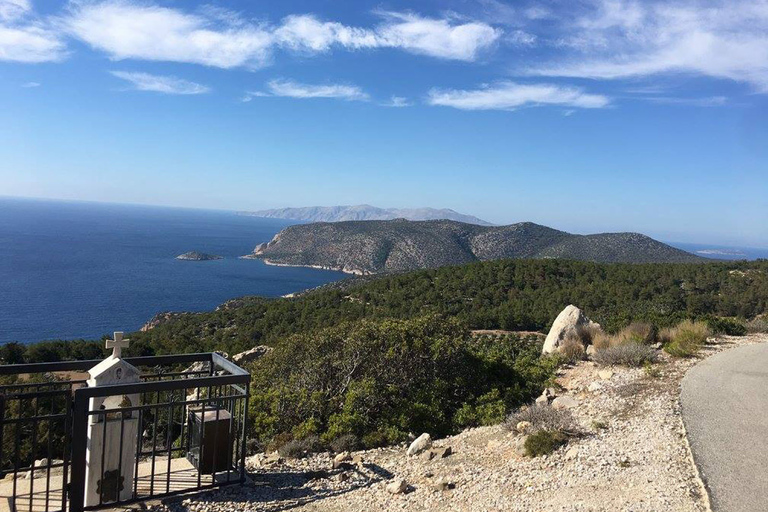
pixel 597 115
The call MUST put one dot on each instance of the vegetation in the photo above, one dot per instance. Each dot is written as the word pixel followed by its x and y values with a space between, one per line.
pixel 507 294
pixel 541 417
pixel 686 339
pixel 758 324
pixel 727 326
pixel 381 380
pixel 544 442
pixel 625 354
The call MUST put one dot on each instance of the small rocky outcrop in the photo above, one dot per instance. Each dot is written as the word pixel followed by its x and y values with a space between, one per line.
pixel 198 256
pixel 251 355
pixel 567 322
pixel 423 442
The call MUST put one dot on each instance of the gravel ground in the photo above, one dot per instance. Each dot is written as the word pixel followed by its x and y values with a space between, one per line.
pixel 631 455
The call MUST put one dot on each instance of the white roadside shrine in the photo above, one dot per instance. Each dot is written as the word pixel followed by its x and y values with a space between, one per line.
pixel 111 446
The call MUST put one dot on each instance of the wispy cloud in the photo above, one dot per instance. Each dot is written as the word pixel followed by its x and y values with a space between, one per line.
pixel 24 38
pixel 710 101
pixel 510 95
pixel 397 102
pixel 30 85
pixel 158 83
pixel 620 39
pixel 130 30
pixel 291 89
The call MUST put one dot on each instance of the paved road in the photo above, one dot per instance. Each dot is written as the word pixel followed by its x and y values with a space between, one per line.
pixel 725 409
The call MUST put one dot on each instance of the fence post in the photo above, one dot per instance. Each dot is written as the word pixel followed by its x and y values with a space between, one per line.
pixel 80 420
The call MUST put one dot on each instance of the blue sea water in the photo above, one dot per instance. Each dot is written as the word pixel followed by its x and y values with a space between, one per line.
pixel 721 252
pixel 81 270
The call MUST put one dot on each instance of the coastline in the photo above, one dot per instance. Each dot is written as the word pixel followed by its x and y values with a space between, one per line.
pixel 351 271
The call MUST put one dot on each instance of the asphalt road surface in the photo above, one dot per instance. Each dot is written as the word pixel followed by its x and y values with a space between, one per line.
pixel 725 409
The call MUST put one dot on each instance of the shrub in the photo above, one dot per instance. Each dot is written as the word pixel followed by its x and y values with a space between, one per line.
pixel 758 324
pixel 297 449
pixel 601 341
pixel 625 354
pixel 345 443
pixel 378 380
pixel 587 333
pixel 572 348
pixel 729 326
pixel 277 442
pixel 541 417
pixel 637 332
pixel 687 338
pixel 544 442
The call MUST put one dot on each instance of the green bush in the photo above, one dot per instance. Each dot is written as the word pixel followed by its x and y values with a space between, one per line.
pixel 544 442
pixel 380 380
pixel 727 326
pixel 345 443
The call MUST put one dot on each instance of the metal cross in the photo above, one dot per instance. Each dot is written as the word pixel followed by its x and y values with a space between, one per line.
pixel 118 344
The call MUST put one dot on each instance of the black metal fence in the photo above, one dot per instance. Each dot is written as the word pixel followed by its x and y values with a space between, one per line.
pixel 189 427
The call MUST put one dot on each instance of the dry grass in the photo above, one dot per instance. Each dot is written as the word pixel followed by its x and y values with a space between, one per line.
pixel 542 417
pixel 686 339
pixel 637 332
pixel 758 324
pixel 626 354
pixel 572 348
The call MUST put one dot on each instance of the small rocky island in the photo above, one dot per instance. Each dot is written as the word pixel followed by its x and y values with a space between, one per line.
pixel 198 256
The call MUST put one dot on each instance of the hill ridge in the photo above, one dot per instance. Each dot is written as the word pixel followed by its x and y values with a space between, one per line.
pixel 372 247
pixel 364 212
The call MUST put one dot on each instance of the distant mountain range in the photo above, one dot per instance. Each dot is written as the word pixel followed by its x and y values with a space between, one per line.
pixel 399 245
pixel 364 212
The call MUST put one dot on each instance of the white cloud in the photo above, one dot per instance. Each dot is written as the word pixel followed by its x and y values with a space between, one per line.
pixel 291 89
pixel 397 102
pixel 510 95
pixel 623 39
pixel 30 85
pixel 159 83
pixel 23 40
pixel 710 101
pixel 125 29
pixel 13 9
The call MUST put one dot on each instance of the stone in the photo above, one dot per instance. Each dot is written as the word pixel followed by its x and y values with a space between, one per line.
pixel 421 443
pixel 523 426
pixel 566 322
pixel 342 477
pixel 38 472
pixel 605 374
pixel 273 458
pixel 427 455
pixel 397 486
pixel 572 453
pixel 359 461
pixel 564 402
pixel 542 400
pixel 441 452
pixel 550 392
pixel 442 484
pixel 590 350
pixel 594 387
pixel 251 355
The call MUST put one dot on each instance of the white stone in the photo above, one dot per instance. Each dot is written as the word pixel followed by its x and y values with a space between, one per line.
pixel 397 486
pixel 566 322
pixel 423 442
pixel 542 400
pixel 564 402
pixel 605 374
pixel 251 355
pixel 595 386
pixel 522 426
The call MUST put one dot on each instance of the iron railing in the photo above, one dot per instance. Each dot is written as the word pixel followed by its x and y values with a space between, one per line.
pixel 182 417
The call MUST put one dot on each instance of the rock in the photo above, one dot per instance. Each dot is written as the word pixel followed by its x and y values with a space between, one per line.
pixel 572 453
pixel 198 256
pixel 423 442
pixel 605 374
pixel 358 461
pixel 566 322
pixel 273 458
pixel 38 472
pixel 397 486
pixel 595 386
pixel 542 400
pixel 564 402
pixel 441 452
pixel 427 455
pixel 251 355
pixel 341 460
pixel 523 426
pixel 550 392
pixel 342 477
pixel 590 350
pixel 442 484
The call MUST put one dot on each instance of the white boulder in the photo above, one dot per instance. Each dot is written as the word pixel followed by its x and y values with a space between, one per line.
pixel 421 443
pixel 568 321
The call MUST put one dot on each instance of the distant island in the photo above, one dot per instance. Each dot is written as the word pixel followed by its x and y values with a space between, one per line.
pixel 198 256
pixel 372 247
pixel 364 212
pixel 721 252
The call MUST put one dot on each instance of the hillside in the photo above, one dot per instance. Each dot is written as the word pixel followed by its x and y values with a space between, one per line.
pixel 364 212
pixel 394 246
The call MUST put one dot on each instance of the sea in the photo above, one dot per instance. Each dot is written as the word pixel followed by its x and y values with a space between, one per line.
pixel 71 270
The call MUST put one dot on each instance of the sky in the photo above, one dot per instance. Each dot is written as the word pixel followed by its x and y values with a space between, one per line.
pixel 587 116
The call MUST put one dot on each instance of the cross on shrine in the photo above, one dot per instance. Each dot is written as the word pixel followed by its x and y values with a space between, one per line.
pixel 118 344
